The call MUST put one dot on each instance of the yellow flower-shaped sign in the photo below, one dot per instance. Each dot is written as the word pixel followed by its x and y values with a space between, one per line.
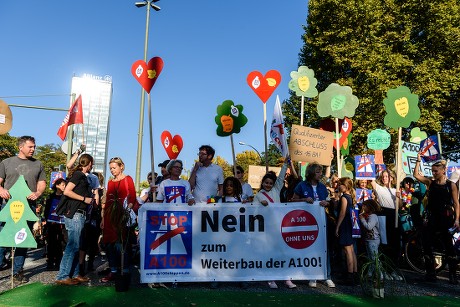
pixel 303 82
pixel 402 108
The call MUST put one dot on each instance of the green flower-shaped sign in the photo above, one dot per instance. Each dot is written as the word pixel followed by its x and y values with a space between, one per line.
pixel 402 107
pixel 230 118
pixel 417 135
pixel 378 139
pixel 303 82
pixel 337 101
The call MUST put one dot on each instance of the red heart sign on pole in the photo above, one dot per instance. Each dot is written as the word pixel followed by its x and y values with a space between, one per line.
pixel 264 86
pixel 172 145
pixel 147 74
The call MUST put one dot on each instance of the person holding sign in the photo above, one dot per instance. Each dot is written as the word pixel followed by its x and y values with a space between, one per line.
pixel 441 216
pixel 269 192
pixel 386 197
pixel 206 178
pixel 34 174
pixel 311 190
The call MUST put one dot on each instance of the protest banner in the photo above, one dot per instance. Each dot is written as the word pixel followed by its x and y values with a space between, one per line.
pixel 241 242
pixel 311 145
pixel 409 157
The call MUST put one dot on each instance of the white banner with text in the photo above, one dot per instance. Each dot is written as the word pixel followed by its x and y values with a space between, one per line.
pixel 232 242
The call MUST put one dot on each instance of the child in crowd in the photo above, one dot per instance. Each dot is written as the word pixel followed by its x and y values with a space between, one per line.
pixel 54 227
pixel 344 226
pixel 370 223
pixel 269 192
pixel 232 191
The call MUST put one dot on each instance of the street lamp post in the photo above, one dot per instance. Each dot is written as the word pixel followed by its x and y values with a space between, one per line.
pixel 148 3
pixel 243 143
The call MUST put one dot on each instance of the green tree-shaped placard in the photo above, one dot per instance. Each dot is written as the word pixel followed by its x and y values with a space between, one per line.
pixel 230 118
pixel 401 107
pixel 15 232
pixel 378 139
pixel 303 82
pixel 337 101
pixel 417 135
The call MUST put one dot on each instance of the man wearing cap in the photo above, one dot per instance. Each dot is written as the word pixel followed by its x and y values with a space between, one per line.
pixel 164 172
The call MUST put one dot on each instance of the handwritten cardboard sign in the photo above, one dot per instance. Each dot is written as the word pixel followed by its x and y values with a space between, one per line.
pixel 256 173
pixel 311 145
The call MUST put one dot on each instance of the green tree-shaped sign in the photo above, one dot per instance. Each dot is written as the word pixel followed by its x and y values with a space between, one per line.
pixel 378 139
pixel 417 135
pixel 337 101
pixel 303 82
pixel 230 118
pixel 16 213
pixel 401 107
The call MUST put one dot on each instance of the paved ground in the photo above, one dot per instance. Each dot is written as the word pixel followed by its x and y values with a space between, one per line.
pixel 35 269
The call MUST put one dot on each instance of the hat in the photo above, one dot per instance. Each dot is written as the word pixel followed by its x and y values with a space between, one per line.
pixel 164 163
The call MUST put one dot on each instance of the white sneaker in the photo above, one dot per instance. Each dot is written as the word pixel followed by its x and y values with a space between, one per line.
pixel 329 283
pixel 272 285
pixel 396 276
pixel 290 284
pixel 312 283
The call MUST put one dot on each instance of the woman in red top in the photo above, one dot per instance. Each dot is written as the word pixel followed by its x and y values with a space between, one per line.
pixel 116 234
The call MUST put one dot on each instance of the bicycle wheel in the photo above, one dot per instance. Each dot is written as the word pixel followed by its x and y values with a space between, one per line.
pixel 413 253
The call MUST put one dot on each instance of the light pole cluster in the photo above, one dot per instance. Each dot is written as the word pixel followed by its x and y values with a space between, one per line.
pixel 149 4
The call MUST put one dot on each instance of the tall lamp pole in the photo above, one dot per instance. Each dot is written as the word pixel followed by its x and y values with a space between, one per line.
pixel 243 143
pixel 140 134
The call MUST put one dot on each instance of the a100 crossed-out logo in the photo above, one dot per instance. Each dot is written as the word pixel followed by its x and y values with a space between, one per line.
pixel 168 243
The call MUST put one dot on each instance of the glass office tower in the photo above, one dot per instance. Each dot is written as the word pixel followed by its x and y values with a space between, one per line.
pixel 96 93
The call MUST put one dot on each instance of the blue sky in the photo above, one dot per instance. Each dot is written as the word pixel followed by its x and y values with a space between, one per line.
pixel 208 48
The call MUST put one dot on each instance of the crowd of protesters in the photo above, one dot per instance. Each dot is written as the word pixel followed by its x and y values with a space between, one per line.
pixel 82 216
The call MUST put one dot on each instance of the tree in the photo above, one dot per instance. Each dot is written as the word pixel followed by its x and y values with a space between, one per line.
pixel 246 158
pixel 274 156
pixel 8 146
pixel 373 46
pixel 51 156
pixel 226 167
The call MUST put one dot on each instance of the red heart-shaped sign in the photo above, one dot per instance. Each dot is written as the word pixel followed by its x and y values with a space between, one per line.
pixel 147 74
pixel 264 86
pixel 172 145
pixel 345 125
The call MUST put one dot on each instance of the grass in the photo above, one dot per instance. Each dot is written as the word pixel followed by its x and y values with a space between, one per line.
pixel 37 295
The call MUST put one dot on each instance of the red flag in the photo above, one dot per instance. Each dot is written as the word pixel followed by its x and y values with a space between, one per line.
pixel 74 116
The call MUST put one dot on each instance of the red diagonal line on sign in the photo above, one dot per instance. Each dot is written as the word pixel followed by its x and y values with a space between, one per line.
pixel 166 237
pixel 173 197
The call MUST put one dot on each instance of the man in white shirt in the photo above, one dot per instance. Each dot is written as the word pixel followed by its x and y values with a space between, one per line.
pixel 206 179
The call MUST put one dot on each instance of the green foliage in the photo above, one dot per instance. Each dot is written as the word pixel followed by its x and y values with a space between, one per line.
pixel 8 146
pixel 274 156
pixel 373 46
pixel 51 156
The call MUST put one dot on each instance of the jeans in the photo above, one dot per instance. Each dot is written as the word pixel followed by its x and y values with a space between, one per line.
pixel 69 261
pixel 372 248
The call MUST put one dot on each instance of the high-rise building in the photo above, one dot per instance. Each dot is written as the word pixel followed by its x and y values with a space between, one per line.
pixel 96 93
